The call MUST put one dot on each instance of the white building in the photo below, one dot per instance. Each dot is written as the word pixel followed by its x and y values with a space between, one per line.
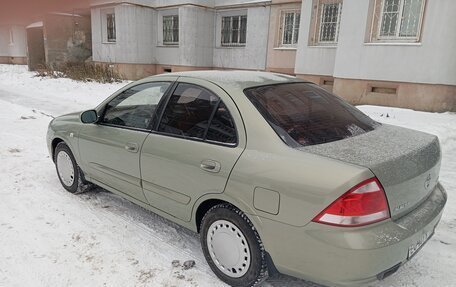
pixel 149 37
pixel 13 44
pixel 385 52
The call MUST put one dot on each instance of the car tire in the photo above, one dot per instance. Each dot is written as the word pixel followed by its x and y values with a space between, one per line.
pixel 68 171
pixel 232 246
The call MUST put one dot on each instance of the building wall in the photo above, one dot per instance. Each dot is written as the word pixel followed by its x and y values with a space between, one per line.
pixel 136 40
pixel 432 61
pixel 67 38
pixel 418 75
pixel 196 37
pixel 253 55
pixel 414 75
pixel 35 42
pixel 313 60
pixel 14 52
pixel 280 59
pixel 139 49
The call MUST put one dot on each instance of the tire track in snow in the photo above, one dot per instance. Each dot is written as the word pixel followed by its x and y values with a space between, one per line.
pixel 111 208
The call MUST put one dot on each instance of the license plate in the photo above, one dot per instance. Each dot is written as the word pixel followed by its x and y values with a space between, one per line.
pixel 413 249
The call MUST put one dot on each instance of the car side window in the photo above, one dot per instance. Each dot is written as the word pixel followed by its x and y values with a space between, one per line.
pixel 136 106
pixel 222 128
pixel 194 112
pixel 188 112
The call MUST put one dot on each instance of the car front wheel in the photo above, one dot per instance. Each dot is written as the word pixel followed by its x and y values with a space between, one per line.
pixel 67 169
pixel 232 246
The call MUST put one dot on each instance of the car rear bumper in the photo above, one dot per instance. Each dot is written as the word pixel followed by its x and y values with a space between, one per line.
pixel 338 256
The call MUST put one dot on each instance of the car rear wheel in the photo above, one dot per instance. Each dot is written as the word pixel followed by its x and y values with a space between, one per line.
pixel 68 170
pixel 232 247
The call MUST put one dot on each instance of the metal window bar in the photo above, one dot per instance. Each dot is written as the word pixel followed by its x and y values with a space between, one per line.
pixel 297 23
pixel 171 30
pixel 234 31
pixel 111 27
pixel 329 22
pixel 290 28
pixel 400 19
pixel 11 36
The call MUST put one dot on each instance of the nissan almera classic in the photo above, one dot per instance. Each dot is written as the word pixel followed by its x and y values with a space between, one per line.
pixel 275 173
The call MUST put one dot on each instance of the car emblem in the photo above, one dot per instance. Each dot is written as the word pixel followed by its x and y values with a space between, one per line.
pixel 427 182
pixel 401 206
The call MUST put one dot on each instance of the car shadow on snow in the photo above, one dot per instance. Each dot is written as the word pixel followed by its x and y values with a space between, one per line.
pixel 102 200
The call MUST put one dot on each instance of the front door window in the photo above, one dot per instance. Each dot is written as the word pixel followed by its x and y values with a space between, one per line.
pixel 135 107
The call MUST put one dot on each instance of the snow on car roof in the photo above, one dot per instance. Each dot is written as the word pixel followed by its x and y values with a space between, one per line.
pixel 238 79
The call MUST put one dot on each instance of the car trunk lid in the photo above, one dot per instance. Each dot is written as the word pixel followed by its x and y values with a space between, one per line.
pixel 406 162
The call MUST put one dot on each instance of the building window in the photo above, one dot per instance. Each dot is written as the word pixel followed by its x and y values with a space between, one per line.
pixel 398 19
pixel 234 30
pixel 171 30
pixel 329 22
pixel 290 28
pixel 111 27
pixel 325 22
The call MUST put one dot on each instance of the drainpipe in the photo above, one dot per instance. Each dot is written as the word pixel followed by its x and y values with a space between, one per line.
pixel 267 40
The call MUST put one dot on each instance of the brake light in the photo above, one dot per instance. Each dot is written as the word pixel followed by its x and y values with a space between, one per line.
pixel 363 204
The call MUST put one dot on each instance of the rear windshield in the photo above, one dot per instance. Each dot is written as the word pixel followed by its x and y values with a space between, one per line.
pixel 304 114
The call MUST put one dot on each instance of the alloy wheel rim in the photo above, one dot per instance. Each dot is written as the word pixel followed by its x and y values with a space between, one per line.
pixel 65 168
pixel 228 248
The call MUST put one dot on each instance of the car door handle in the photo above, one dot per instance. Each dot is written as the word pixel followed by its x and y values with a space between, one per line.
pixel 131 147
pixel 210 165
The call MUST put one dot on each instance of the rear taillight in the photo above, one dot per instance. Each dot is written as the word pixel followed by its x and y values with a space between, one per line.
pixel 363 204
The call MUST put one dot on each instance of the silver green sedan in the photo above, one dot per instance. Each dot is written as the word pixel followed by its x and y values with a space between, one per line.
pixel 275 173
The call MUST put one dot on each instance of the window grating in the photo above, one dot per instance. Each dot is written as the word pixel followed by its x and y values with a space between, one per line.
pixel 111 27
pixel 329 22
pixel 171 30
pixel 234 30
pixel 290 28
pixel 400 19
pixel 390 15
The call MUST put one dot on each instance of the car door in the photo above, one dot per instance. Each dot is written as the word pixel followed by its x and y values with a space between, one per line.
pixel 110 149
pixel 193 148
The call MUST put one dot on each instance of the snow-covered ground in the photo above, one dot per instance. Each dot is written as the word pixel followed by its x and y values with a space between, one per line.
pixel 49 237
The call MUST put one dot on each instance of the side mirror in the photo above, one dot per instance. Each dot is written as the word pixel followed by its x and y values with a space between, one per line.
pixel 89 117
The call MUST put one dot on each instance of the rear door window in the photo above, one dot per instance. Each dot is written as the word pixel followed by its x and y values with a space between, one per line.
pixel 304 114
pixel 196 113
pixel 222 128
pixel 188 112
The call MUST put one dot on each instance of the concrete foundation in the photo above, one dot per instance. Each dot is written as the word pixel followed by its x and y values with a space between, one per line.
pixel 326 82
pixel 288 71
pixel 13 60
pixel 416 96
pixel 140 71
pixel 422 97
